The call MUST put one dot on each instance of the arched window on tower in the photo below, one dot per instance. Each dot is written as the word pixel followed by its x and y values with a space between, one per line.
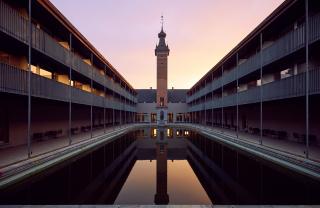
pixel 161 101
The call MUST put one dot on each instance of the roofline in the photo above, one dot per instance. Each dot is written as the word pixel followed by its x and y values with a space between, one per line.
pixel 269 19
pixel 66 23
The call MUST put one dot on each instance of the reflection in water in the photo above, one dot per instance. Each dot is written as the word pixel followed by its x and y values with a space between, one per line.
pixel 161 196
pixel 161 166
pixel 183 185
pixel 140 185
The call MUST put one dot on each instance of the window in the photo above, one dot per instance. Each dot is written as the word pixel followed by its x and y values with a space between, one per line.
pixel 153 132
pixel 161 101
pixel 153 117
pixel 170 117
pixel 4 58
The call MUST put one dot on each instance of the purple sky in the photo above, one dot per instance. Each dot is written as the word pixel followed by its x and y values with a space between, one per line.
pixel 199 33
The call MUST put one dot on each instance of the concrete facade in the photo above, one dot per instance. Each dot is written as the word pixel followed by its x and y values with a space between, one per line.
pixel 267 87
pixel 70 90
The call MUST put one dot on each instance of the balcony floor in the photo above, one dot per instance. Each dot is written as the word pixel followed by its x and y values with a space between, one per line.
pixel 288 147
pixel 13 157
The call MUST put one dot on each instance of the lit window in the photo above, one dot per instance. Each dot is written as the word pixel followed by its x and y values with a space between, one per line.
pixel 259 82
pixel 161 101
pixel 35 69
pixel 45 73
pixel 285 73
pixel 154 132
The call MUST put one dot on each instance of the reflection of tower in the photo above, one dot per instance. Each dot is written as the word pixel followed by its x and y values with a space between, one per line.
pixel 161 197
pixel 162 53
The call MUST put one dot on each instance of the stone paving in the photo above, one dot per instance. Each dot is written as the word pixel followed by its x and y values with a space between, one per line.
pixel 161 206
pixel 286 146
pixel 16 154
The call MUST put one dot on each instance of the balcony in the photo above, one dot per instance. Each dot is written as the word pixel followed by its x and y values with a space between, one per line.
pixel 293 86
pixel 15 25
pixel 14 80
pixel 287 44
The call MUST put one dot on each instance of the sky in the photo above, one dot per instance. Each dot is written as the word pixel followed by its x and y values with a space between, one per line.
pixel 199 33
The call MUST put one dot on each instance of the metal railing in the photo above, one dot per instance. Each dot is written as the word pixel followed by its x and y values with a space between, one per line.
pixel 293 86
pixel 285 45
pixel 14 24
pixel 249 96
pixel 14 80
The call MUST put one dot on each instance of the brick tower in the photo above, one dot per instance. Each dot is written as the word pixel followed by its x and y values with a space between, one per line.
pixel 162 53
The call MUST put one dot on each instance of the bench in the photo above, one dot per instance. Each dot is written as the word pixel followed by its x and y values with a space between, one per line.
pixel 282 135
pixel 53 133
pixel 37 136
pixel 74 130
pixel 301 138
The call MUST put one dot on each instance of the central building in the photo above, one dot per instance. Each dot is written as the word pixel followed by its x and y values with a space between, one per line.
pixel 162 53
pixel 161 106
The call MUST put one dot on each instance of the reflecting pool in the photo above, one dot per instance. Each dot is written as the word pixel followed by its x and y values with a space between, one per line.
pixel 165 166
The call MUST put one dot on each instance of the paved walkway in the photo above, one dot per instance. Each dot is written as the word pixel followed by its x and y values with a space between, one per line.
pixel 15 154
pixel 286 146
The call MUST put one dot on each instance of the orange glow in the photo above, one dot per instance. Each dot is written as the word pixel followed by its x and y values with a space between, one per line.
pixel 199 33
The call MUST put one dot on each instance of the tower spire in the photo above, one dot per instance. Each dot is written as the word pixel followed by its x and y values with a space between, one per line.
pixel 162 22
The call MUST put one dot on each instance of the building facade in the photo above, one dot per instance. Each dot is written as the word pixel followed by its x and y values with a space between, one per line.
pixel 161 106
pixel 267 89
pixel 53 83
pixel 147 110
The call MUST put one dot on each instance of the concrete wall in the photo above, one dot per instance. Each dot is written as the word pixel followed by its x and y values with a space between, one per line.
pixel 281 115
pixel 177 108
pixel 152 108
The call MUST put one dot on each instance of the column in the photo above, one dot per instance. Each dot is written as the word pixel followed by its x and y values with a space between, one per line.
pixel 70 87
pixel 237 62
pixel 307 75
pixel 222 98
pixel 261 88
pixel 113 83
pixel 205 101
pixel 91 84
pixel 212 100
pixel 29 82
pixel 104 100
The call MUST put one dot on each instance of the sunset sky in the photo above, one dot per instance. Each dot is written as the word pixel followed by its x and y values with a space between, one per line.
pixel 199 33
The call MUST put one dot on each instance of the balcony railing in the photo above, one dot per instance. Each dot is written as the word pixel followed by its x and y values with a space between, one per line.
pixel 293 86
pixel 14 80
pixel 15 25
pixel 287 44
pixel 229 100
pixel 249 96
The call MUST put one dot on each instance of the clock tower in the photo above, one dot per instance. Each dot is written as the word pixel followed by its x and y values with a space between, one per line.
pixel 162 53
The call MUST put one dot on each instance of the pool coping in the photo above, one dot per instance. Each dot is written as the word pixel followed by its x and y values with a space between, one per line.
pixel 26 168
pixel 298 164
